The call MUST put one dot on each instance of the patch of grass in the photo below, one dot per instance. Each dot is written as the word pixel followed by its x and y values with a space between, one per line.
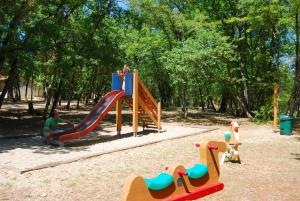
pixel 28 196
pixel 7 185
pixel 82 173
pixel 261 121
pixel 72 182
pixel 46 182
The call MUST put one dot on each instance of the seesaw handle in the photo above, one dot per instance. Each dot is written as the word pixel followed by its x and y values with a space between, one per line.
pixel 210 147
pixel 181 172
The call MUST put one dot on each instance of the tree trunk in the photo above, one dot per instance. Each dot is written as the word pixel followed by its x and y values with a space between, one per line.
pixel 294 100
pixel 45 90
pixel 78 103
pixel 78 100
pixel 97 98
pixel 48 101
pixel 10 91
pixel 26 89
pixel 8 83
pixel 56 97
pixel 68 106
pixel 59 101
pixel 70 93
pixel 18 92
pixel 243 105
pixel 2 59
pixel 207 103
pixel 230 108
pixel 184 106
pixel 4 92
pixel 30 108
pixel 202 103
pixel 210 101
pixel 245 86
pixel 241 101
pixel 223 105
pixel 31 90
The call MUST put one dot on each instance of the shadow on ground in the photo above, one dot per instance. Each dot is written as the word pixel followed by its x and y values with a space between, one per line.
pixel 198 117
pixel 90 140
pixel 296 156
pixel 25 130
pixel 35 143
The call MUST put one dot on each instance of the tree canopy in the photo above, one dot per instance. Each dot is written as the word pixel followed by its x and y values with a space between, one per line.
pixel 189 53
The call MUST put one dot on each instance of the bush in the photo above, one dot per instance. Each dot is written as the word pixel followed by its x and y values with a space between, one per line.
pixel 264 114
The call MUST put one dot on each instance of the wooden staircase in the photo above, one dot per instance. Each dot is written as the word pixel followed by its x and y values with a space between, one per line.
pixel 148 108
pixel 145 119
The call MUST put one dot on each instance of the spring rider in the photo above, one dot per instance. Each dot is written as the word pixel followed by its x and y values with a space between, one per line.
pixel 179 183
pixel 232 153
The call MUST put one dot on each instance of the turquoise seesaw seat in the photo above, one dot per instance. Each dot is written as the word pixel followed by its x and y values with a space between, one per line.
pixel 160 182
pixel 227 135
pixel 197 171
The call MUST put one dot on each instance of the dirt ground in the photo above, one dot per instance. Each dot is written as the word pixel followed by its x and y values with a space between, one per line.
pixel 270 168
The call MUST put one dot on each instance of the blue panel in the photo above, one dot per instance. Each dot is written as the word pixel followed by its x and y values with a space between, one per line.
pixel 116 82
pixel 128 84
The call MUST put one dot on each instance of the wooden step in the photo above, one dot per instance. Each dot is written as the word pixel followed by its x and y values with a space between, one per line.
pixel 151 126
pixel 143 115
pixel 148 120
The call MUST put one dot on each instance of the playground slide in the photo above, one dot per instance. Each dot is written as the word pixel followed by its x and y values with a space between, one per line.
pixel 92 120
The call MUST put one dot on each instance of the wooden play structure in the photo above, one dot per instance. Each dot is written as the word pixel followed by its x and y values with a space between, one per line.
pixel 127 87
pixel 232 153
pixel 145 109
pixel 179 183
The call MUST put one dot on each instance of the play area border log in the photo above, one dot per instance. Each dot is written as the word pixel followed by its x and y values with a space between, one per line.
pixel 62 162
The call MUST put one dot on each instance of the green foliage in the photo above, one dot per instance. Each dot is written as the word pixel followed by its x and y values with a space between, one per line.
pixel 285 87
pixel 264 114
pixel 186 51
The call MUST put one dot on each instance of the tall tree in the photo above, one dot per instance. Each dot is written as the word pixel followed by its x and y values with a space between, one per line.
pixel 294 101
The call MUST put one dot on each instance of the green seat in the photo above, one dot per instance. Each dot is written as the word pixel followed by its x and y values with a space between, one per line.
pixel 160 182
pixel 197 171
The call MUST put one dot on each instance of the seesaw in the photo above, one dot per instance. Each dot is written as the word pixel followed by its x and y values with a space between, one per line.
pixel 232 153
pixel 179 183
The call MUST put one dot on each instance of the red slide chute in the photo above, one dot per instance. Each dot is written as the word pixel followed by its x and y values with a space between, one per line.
pixel 92 120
